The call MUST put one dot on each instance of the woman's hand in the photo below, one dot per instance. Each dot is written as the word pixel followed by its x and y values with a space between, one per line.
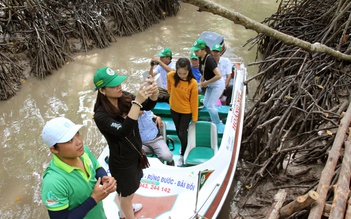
pixel 152 88
pixel 143 92
pixel 203 84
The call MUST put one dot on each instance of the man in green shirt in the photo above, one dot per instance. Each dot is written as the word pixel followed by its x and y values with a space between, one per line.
pixel 74 183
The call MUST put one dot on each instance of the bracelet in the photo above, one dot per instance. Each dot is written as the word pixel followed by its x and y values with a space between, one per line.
pixel 137 103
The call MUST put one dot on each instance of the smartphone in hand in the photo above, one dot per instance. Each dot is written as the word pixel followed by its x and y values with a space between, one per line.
pixel 155 78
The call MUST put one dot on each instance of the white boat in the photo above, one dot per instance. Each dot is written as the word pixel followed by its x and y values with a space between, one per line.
pixel 192 191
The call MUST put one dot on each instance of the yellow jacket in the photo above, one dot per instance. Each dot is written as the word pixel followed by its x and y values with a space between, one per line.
pixel 184 97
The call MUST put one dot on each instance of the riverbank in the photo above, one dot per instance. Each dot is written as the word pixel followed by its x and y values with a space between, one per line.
pixel 39 37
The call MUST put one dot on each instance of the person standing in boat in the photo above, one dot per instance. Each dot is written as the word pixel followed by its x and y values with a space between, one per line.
pixel 74 184
pixel 225 67
pixel 195 69
pixel 183 101
pixel 211 78
pixel 116 115
pixel 153 141
pixel 164 64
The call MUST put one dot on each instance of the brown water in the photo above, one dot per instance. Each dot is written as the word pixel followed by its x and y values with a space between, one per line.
pixel 68 92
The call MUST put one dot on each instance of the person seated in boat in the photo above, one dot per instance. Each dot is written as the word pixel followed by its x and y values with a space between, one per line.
pixel 72 162
pixel 183 101
pixel 164 64
pixel 195 69
pixel 225 67
pixel 211 78
pixel 152 140
pixel 229 90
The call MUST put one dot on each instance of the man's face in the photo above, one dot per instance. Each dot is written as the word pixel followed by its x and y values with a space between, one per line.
pixel 194 62
pixel 165 59
pixel 70 149
pixel 216 54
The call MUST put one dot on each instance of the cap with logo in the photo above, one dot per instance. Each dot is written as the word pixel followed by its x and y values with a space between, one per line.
pixel 217 47
pixel 198 44
pixel 166 52
pixel 106 77
pixel 59 130
pixel 193 56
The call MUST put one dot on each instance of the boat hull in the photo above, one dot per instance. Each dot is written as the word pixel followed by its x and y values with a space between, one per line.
pixel 187 192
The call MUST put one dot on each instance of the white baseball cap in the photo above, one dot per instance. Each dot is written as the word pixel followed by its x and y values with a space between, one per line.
pixel 59 130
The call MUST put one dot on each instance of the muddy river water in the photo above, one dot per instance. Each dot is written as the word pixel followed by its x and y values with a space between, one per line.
pixel 68 92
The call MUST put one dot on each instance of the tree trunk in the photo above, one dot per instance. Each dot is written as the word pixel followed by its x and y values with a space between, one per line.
pixel 341 189
pixel 328 171
pixel 348 211
pixel 248 23
pixel 300 203
pixel 279 199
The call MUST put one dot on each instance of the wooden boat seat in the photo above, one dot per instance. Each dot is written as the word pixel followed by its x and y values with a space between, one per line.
pixel 202 143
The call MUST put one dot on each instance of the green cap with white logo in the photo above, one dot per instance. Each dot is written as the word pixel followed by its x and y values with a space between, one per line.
pixel 106 77
pixel 217 47
pixel 166 52
pixel 198 45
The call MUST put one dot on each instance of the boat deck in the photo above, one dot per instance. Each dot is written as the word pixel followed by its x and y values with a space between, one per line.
pixel 162 109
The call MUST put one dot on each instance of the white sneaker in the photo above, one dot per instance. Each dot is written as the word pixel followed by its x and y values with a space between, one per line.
pixel 180 161
pixel 136 207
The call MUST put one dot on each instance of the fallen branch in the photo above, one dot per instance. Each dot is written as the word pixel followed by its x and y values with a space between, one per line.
pixel 248 23
pixel 328 171
pixel 279 199
pixel 299 204
pixel 341 189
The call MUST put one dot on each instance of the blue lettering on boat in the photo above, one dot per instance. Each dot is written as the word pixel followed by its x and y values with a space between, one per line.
pixel 153 177
pixel 167 180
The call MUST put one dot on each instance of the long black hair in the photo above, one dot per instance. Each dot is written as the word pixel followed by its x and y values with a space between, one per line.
pixel 183 63
pixel 124 104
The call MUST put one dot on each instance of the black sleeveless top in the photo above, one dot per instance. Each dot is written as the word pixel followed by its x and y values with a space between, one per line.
pixel 207 66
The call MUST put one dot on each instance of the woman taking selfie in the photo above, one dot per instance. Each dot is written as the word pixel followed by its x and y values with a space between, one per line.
pixel 116 115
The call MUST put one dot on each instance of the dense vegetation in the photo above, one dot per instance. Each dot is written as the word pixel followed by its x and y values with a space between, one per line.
pixel 43 34
pixel 301 96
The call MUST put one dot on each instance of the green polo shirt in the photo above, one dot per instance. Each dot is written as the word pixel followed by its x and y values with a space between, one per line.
pixel 64 186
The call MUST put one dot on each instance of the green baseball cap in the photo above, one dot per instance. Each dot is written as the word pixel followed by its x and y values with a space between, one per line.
pixel 193 56
pixel 166 52
pixel 106 77
pixel 198 44
pixel 217 47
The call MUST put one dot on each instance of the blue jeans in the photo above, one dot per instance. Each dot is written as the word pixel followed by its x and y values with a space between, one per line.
pixel 212 94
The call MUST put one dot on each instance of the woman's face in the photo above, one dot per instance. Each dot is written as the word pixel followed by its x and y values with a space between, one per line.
pixel 112 92
pixel 200 53
pixel 183 73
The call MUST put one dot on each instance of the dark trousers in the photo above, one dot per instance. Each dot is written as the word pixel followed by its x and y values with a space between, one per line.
pixel 181 122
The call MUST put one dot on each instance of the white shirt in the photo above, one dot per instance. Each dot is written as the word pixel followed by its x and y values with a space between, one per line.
pixel 225 67
pixel 160 70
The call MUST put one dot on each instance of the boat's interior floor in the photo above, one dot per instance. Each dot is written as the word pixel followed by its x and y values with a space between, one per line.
pixel 162 110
